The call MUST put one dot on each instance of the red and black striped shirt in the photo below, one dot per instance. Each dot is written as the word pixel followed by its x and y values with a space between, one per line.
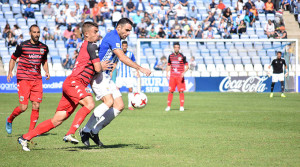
pixel 84 68
pixel 30 58
pixel 177 63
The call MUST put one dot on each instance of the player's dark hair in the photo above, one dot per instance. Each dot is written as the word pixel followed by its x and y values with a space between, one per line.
pixel 279 52
pixel 176 43
pixel 33 25
pixel 124 42
pixel 87 25
pixel 124 21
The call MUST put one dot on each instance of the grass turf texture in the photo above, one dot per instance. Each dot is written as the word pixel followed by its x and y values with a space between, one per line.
pixel 216 129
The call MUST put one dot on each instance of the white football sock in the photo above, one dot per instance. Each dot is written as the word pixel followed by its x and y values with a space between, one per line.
pixel 98 112
pixel 105 119
pixel 130 97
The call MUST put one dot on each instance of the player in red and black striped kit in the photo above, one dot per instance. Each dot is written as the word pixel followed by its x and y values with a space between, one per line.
pixel 178 65
pixel 31 53
pixel 75 90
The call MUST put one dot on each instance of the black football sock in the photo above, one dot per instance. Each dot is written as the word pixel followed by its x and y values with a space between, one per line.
pixel 272 86
pixel 282 86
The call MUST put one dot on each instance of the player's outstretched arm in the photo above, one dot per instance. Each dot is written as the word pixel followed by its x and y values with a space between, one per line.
pixel 12 63
pixel 46 69
pixel 126 60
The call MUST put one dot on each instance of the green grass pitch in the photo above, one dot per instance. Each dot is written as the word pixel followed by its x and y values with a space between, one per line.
pixel 216 129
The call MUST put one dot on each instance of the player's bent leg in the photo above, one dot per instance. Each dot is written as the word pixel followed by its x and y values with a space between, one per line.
pixel 17 111
pixel 34 114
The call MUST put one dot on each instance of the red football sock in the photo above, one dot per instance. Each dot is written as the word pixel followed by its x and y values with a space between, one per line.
pixel 33 118
pixel 170 98
pixel 17 111
pixel 181 97
pixel 40 129
pixel 79 118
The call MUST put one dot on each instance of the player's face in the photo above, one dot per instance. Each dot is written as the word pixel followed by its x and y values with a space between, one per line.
pixel 124 47
pixel 278 55
pixel 35 34
pixel 124 31
pixel 176 48
pixel 93 34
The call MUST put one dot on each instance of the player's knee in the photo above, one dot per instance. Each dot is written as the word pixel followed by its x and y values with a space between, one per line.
pixel 23 107
pixel 90 105
pixel 109 102
pixel 35 105
pixel 171 92
pixel 120 107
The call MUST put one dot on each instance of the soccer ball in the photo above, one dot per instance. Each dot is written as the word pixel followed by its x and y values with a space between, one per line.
pixel 139 100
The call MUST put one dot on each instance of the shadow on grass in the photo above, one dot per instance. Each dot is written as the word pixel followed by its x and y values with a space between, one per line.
pixel 18 135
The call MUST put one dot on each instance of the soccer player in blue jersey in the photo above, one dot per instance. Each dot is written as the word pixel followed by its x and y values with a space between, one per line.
pixel 102 85
pixel 125 75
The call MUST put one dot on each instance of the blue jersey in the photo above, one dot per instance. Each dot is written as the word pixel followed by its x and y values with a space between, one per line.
pixel 123 70
pixel 110 42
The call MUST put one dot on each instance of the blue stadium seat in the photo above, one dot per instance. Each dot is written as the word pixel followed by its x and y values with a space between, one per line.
pixel 252 52
pixel 256 60
pixel 218 60
pixel 220 45
pixel 227 60
pixel 262 53
pixel 253 36
pixel 248 45
pixel 158 52
pixel 200 46
pixel 258 45
pixel 51 23
pixel 265 60
pixel 210 45
pixel 199 60
pixel 261 17
pixel 8 14
pixel 233 52
pixel 208 60
pixel 16 8
pixel 223 52
pixel 60 43
pixel 42 23
pixel 193 45
pixel 246 60
pixel 263 37
pixel 243 53
pixel 21 22
pixel 3 23
pixel 229 45
pixel 151 59
pixel 267 45
pixel 11 22
pixel 53 52
pixel 30 22
pixel 36 7
pixel 244 36
pixel 1 15
pixel 277 45
pixel 214 53
pixel 155 45
pixel 234 36
pixel 148 52
pixel 5 8
pixel 260 31
pixel 236 60
pixel 257 24
pixel 205 53
pixel 271 53
pixel 239 45
pixel 250 31
pixel 164 44
pixel 56 59
pixel 202 10
pixel 270 16
pixel 71 51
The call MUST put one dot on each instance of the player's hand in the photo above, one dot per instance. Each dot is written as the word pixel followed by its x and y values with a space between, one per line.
pixel 106 65
pixel 182 75
pixel 168 77
pixel 145 71
pixel 286 74
pixel 138 74
pixel 269 74
pixel 47 75
pixel 9 76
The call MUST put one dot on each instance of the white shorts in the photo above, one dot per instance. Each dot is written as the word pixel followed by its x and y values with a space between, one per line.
pixel 102 85
pixel 277 77
pixel 128 82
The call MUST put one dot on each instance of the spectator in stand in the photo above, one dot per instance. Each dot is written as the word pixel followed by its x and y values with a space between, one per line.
pixel 116 16
pixel 176 25
pixel 101 4
pixel 220 8
pixel 46 34
pixel 281 34
pixel 6 30
pixel 105 11
pixel 118 3
pixel 67 33
pixel 249 4
pixel 152 33
pixel 152 11
pixel 20 39
pixel 73 60
pixel 140 6
pixel 193 13
pixel 29 12
pixel 57 33
pixel 211 19
pixel 77 32
pixel 67 10
pixel 209 34
pixel 242 27
pixel 205 25
pixel 71 43
pixel 183 2
pixel 269 7
pixel 24 2
pixel 254 11
pixel 162 15
pixel 154 2
pixel 181 34
pixel 249 18
pixel 136 19
pixel 78 12
pixel 163 2
pixel 222 26
pixel 239 6
pixel 238 19
pixel 181 13
pixel 161 33
pixel 11 40
pixel 173 34
pixel 194 24
pixel 61 19
pixel 66 63
pixel 86 12
pixel 212 7
pixel 140 26
pixel 147 19
pixel 260 6
pixel 227 15
pixel 199 33
pixel 162 64
pixel 99 19
pixel 243 12
pixel 57 9
pixel 71 20
pixel 226 34
pixel 285 4
pixel 185 25
pixel 143 33
pixel 16 31
pixel 233 28
pixel 123 13
pixel 193 64
pixel 130 7
pixel 269 29
pixel 95 13
pixel 48 11
pixel 190 34
pixel 172 13
pixel 92 3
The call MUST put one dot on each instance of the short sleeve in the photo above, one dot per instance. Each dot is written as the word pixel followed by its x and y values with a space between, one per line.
pixel 272 63
pixel 92 49
pixel 17 52
pixel 184 60
pixel 284 62
pixel 169 61
pixel 114 44
pixel 46 54
pixel 132 57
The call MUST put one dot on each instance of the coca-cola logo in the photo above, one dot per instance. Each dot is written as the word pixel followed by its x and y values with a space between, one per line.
pixel 244 84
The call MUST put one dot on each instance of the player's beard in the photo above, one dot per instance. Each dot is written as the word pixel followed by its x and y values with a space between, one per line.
pixel 35 39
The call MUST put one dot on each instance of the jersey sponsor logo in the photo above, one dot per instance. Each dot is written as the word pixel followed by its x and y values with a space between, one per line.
pixel 243 84
pixel 179 58
pixel 34 56
pixel 40 99
pixel 42 51
pixel 88 90
pixel 21 98
pixel 118 45
pixel 81 94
